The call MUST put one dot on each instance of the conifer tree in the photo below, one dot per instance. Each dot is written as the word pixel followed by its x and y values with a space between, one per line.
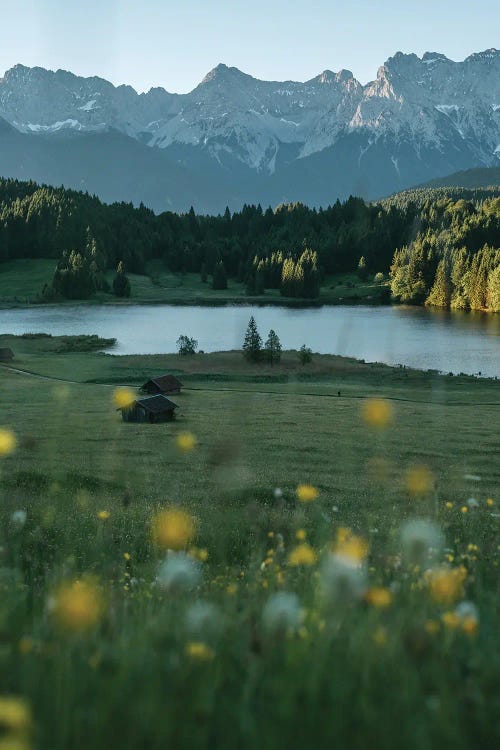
pixel 440 294
pixel 272 348
pixel 219 280
pixel 121 284
pixel 252 345
pixel 493 287
pixel 362 269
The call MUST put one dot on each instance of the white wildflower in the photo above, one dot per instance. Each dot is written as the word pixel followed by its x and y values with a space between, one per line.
pixel 178 571
pixel 342 578
pixel 422 541
pixel 467 611
pixel 203 619
pixel 281 612
pixel 472 502
pixel 19 517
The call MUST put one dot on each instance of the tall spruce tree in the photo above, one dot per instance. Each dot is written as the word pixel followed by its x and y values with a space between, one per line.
pixel 252 345
pixel 493 288
pixel 440 294
pixel 121 284
pixel 219 280
pixel 272 348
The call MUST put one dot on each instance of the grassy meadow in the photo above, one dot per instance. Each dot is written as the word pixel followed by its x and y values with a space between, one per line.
pixel 281 567
pixel 21 283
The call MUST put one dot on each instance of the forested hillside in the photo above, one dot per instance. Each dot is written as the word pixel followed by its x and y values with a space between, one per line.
pixel 428 238
pixel 454 260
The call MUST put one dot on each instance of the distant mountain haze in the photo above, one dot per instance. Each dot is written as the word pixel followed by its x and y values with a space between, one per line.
pixel 235 139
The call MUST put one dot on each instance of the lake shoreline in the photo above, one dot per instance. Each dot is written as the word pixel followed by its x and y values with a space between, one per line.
pixel 217 366
pixel 254 301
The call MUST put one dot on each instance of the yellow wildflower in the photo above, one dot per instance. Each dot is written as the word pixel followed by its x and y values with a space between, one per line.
pixel 469 625
pixel 306 493
pixel 77 606
pixel 8 442
pixel 25 645
pixel 198 554
pixel 377 412
pixel 300 535
pixel 123 397
pixel 15 742
pixel 448 505
pixel 199 651
pixel 185 441
pixel 231 589
pixel 172 529
pixel 350 545
pixel 451 620
pixel 446 584
pixel 303 554
pixel 432 627
pixel 126 556
pixel 103 515
pixel 464 509
pixel 490 502
pixel 378 596
pixel 419 481
pixel 15 714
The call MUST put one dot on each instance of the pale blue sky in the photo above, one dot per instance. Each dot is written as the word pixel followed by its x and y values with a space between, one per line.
pixel 175 43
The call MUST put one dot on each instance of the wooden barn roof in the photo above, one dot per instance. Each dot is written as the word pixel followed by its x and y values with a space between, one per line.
pixel 157 404
pixel 165 382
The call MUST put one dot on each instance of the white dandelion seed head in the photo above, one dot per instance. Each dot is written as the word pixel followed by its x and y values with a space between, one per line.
pixel 281 612
pixel 19 517
pixel 422 541
pixel 178 571
pixel 467 611
pixel 341 579
pixel 203 618
pixel 472 502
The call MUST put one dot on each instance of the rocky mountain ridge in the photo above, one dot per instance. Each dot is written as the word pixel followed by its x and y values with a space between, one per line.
pixel 315 141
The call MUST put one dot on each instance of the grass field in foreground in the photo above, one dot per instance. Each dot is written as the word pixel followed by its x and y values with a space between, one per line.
pixel 204 654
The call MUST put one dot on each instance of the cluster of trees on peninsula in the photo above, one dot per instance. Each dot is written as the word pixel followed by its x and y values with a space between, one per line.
pixel 429 238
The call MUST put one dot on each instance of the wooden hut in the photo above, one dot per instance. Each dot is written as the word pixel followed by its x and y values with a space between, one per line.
pixel 6 354
pixel 162 384
pixel 151 409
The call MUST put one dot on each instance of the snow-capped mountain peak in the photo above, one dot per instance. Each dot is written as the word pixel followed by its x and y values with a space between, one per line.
pixel 419 116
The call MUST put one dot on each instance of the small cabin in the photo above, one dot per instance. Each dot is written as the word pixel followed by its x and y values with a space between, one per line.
pixel 6 355
pixel 162 384
pixel 152 409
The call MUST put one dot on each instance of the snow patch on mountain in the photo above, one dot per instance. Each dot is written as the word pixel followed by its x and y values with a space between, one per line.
pixel 418 104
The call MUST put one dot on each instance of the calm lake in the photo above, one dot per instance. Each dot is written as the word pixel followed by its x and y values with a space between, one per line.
pixel 417 337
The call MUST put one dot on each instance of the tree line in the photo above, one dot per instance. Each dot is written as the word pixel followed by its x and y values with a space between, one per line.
pixel 290 248
pixel 454 259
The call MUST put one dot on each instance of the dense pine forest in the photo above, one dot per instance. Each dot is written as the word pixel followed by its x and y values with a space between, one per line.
pixel 440 246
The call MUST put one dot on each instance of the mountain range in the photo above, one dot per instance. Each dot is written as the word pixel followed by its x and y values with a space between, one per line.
pixel 235 139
